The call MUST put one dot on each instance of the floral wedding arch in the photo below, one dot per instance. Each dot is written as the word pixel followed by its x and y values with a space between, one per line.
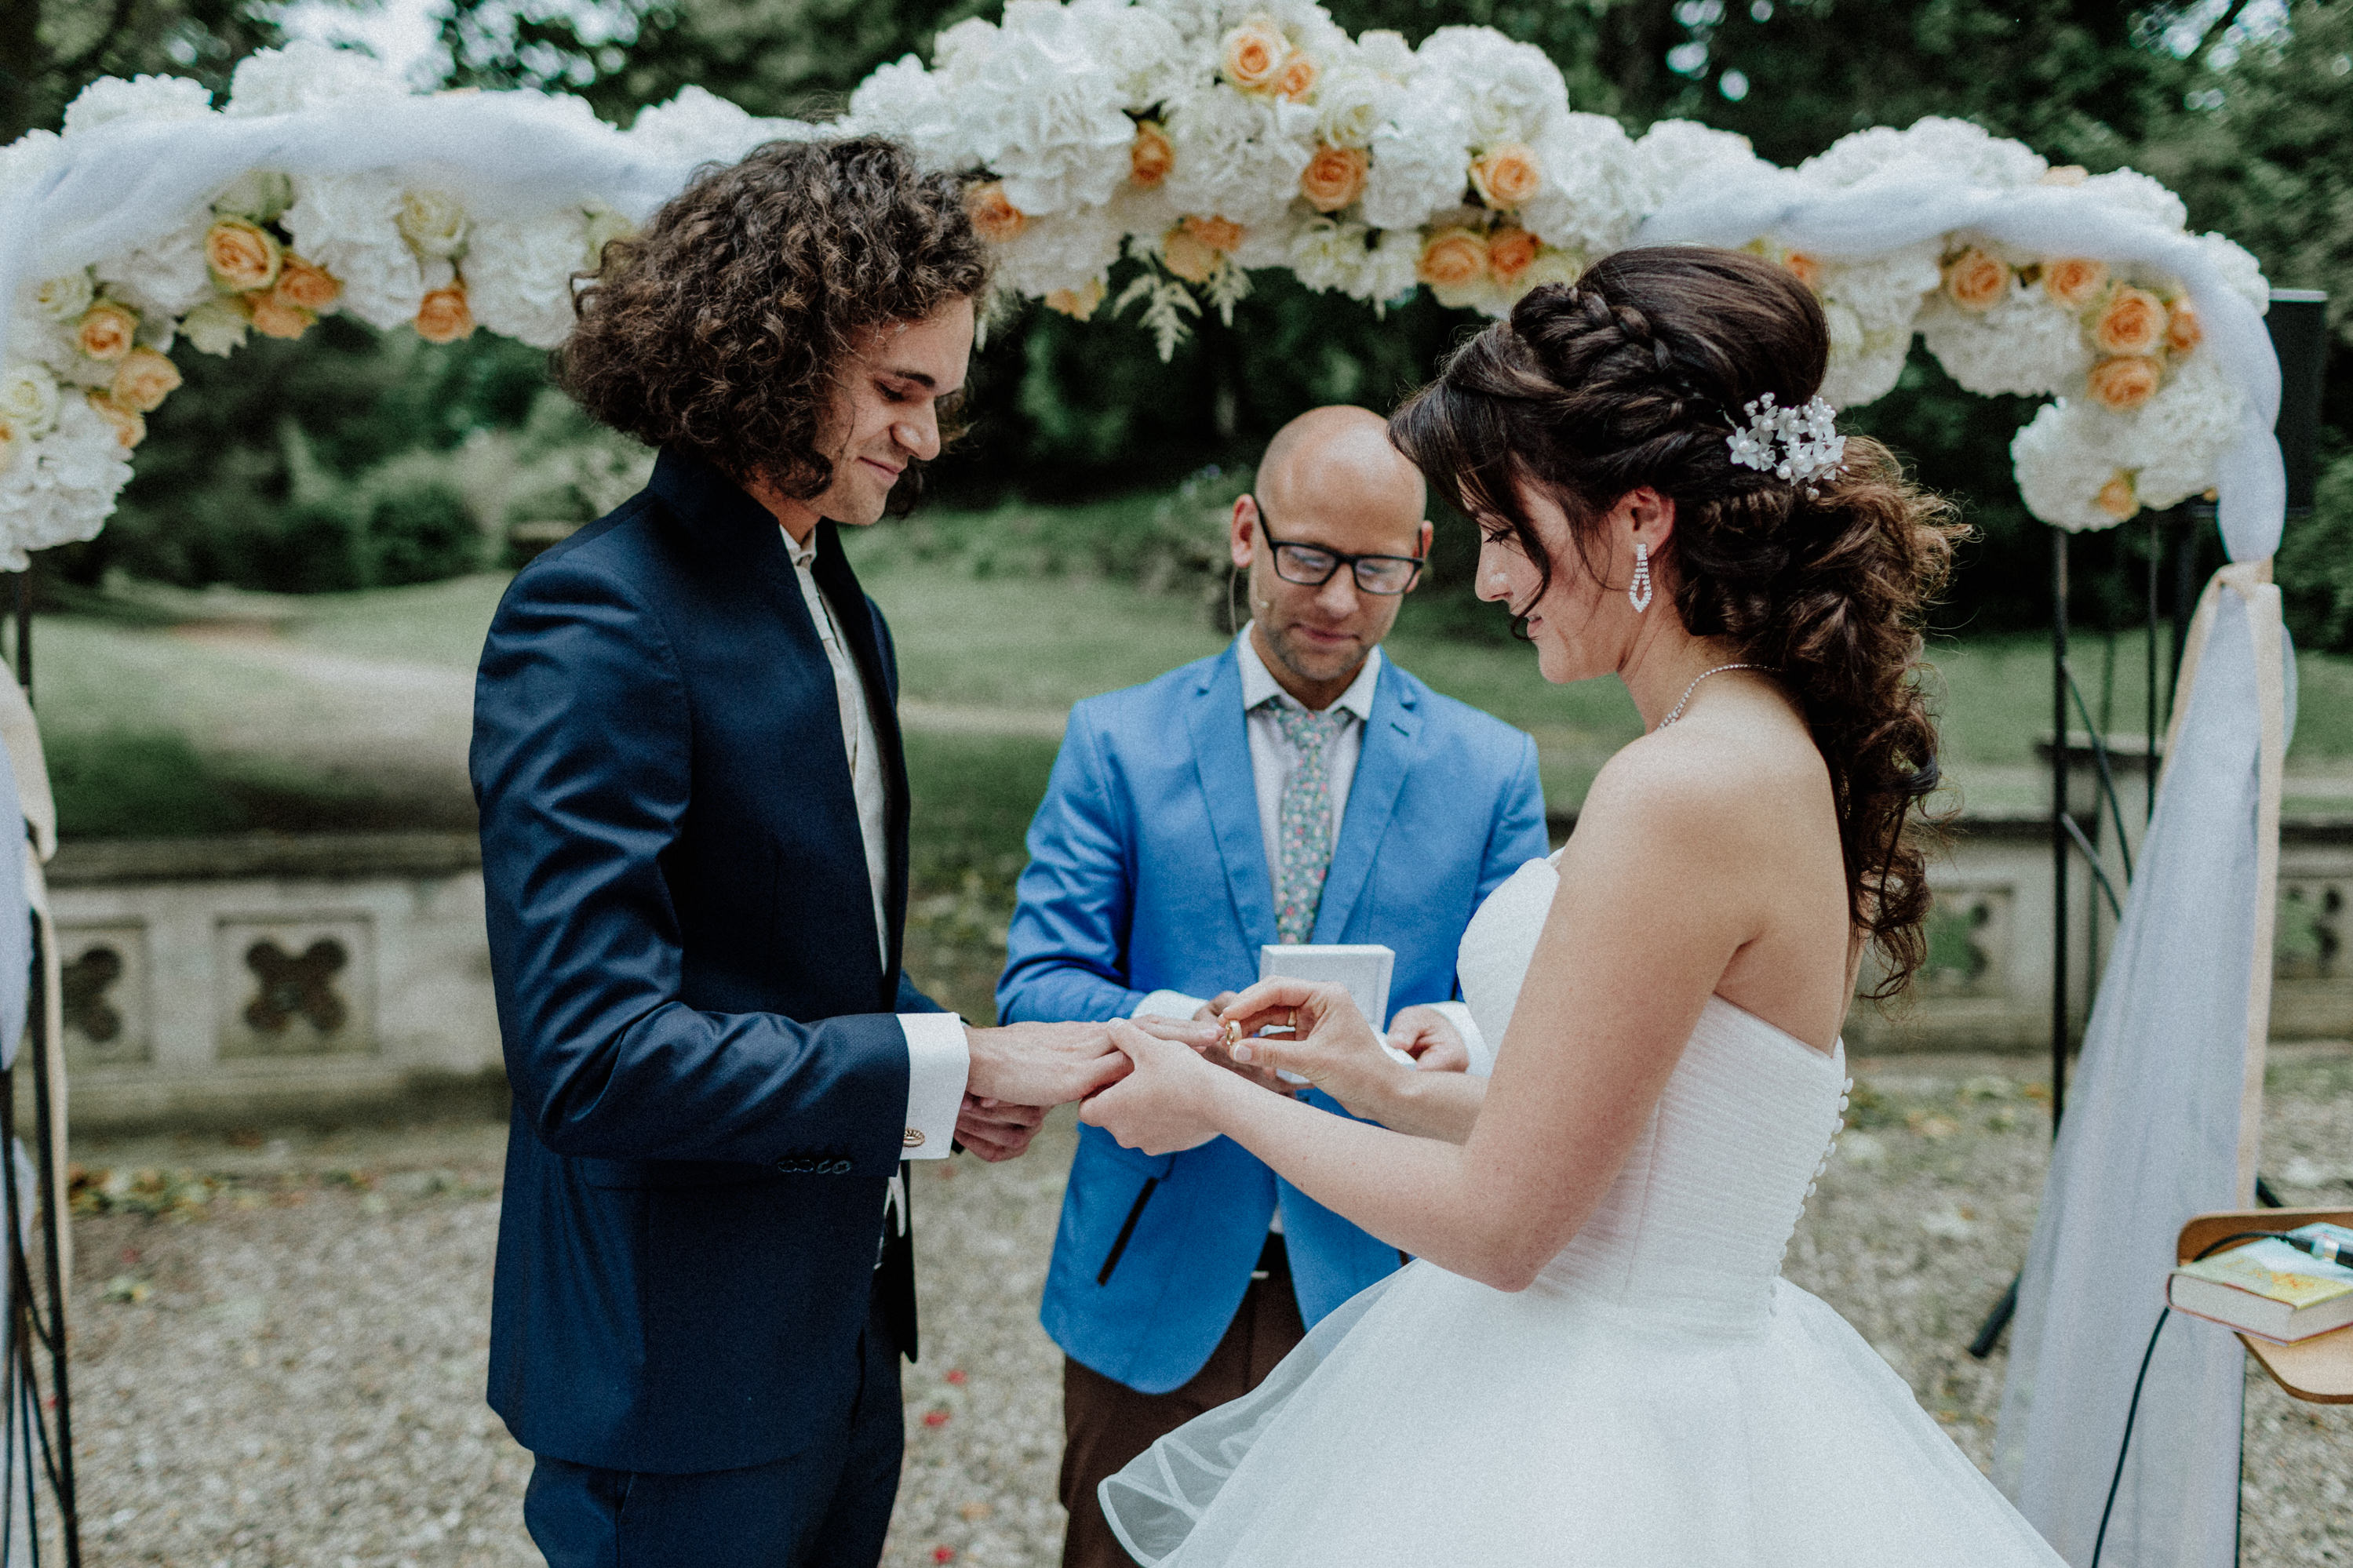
pixel 1148 157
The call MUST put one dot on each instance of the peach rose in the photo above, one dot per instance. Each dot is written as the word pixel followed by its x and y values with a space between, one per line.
pixel 1804 269
pixel 106 331
pixel 1333 177
pixel 994 217
pixel 1505 176
pixel 1217 233
pixel 1187 257
pixel 306 285
pixel 1077 303
pixel 445 317
pixel 242 255
pixel 10 440
pixel 2128 381
pixel 1451 258
pixel 2117 498
pixel 1253 55
pixel 1511 252
pixel 2182 331
pixel 1297 78
pixel 2133 323
pixel 1976 280
pixel 1151 155
pixel 273 317
pixel 129 425
pixel 143 380
pixel 2075 281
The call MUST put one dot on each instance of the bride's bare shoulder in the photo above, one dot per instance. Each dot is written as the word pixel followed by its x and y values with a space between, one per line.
pixel 1709 783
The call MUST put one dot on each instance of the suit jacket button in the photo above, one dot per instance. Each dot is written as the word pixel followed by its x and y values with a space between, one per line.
pixel 913 1138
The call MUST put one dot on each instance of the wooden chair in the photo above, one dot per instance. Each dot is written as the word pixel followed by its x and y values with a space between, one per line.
pixel 2320 1369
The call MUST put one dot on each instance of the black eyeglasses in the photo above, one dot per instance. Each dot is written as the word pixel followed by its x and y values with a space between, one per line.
pixel 1312 565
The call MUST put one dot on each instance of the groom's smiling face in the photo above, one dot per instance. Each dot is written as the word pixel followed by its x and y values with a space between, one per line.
pixel 887 408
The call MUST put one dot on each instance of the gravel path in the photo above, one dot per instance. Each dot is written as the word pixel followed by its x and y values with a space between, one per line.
pixel 281 1362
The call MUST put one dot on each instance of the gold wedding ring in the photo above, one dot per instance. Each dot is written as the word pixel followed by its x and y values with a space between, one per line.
pixel 1233 1034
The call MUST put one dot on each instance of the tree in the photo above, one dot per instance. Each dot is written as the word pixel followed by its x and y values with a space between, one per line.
pixel 51 50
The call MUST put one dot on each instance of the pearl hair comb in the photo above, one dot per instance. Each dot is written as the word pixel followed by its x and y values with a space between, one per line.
pixel 1800 444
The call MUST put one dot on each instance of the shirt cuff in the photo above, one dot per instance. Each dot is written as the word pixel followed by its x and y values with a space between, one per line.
pixel 1168 1004
pixel 1483 1058
pixel 939 1061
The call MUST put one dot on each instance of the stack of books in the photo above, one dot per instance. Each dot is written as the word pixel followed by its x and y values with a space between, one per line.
pixel 2268 1289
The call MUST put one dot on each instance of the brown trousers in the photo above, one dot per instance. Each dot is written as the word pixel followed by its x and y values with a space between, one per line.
pixel 1106 1424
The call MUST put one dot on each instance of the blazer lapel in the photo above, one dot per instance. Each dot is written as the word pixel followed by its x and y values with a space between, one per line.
pixel 1221 765
pixel 1381 765
pixel 857 618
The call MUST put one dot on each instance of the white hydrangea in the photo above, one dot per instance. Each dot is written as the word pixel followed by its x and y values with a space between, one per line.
pixel 1508 90
pixel 1862 368
pixel 905 101
pixel 1674 153
pixel 164 277
pixel 1938 148
pixel 1421 159
pixel 1034 102
pixel 1329 256
pixel 698 126
pixel 349 225
pixel 1238 156
pixel 28 399
pixel 1061 250
pixel 307 74
pixel 1587 203
pixel 2129 190
pixel 111 100
pixel 2061 462
pixel 63 488
pixel 1385 52
pixel 1353 100
pixel 2176 440
pixel 1872 306
pixel 1147 57
pixel 2240 272
pixel 519 275
pixel 2026 343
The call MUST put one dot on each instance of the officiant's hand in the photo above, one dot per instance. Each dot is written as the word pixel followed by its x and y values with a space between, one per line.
pixel 1424 1034
pixel 1332 1046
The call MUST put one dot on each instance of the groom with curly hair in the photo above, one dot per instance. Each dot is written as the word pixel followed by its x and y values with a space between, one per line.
pixel 694 850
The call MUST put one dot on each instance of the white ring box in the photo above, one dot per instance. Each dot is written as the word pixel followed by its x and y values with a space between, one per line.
pixel 1363 968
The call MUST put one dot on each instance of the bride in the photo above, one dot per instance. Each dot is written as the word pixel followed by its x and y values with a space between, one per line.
pixel 1595 1360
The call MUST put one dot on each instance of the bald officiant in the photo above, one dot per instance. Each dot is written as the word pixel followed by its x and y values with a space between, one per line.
pixel 1296 787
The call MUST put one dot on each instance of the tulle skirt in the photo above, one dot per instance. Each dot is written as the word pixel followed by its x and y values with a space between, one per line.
pixel 1434 1420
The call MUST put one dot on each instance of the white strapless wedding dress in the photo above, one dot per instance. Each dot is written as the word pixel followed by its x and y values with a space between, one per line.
pixel 1660 1395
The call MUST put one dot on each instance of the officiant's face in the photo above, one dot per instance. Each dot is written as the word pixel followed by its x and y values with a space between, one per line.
pixel 886 410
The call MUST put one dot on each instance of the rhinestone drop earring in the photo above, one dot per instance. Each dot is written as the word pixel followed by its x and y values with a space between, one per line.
pixel 1638 592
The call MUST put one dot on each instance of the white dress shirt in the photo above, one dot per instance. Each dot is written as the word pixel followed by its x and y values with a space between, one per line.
pixel 1272 758
pixel 938 1059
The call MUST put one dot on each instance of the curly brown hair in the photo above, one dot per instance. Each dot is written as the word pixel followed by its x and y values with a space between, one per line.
pixel 1625 379
pixel 721 327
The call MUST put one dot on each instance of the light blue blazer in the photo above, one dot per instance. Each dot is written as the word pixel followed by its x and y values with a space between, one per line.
pixel 1147 871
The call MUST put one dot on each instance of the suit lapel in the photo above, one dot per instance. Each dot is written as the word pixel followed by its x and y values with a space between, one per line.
pixel 1381 765
pixel 1221 766
pixel 857 623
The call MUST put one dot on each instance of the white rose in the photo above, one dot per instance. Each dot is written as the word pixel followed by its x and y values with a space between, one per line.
pixel 306 74
pixel 28 399
pixel 909 104
pixel 164 277
pixel 110 101
pixel 216 327
pixel 1353 102
pixel 258 195
pixel 432 222
pixel 1238 156
pixel 519 275
pixel 349 225
pixel 65 296
pixel 2026 343
pixel 1385 53
pixel 1421 162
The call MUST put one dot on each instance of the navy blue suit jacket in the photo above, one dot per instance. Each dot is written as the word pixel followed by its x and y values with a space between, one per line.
pixel 710 1086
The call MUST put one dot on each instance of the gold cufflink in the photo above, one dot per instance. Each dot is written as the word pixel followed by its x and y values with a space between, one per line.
pixel 913 1138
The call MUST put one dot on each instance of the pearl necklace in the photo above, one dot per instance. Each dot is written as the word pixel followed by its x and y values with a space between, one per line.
pixel 1703 674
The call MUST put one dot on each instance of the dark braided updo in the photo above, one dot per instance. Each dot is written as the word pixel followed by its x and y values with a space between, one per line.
pixel 1634 376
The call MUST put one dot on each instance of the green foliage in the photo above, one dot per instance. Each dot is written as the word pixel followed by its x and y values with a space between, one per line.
pixel 2315 566
pixel 136 783
pixel 50 50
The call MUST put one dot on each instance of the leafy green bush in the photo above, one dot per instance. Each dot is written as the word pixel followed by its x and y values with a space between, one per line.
pixel 417 529
pixel 2315 565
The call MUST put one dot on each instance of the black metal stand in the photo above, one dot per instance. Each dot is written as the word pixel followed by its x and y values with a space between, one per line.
pixel 30 1435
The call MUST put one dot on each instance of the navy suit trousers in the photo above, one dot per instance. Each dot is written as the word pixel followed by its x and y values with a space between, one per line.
pixel 828 1506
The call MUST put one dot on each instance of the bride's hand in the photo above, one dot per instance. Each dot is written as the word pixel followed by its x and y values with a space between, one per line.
pixel 1332 1046
pixel 1166 1103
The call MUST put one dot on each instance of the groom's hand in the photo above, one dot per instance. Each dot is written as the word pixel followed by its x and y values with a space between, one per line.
pixel 1041 1063
pixel 996 1130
